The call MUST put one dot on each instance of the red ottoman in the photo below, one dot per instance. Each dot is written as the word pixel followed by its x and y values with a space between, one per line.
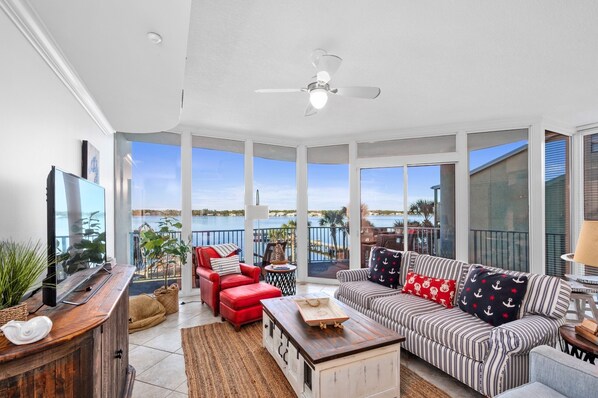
pixel 241 305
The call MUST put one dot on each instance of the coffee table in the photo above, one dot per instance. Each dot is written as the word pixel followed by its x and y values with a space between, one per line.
pixel 360 360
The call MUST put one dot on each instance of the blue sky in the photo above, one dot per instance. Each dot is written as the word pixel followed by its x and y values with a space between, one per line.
pixel 218 180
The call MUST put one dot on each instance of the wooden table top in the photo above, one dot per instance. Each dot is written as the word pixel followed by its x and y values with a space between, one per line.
pixel 71 321
pixel 359 334
pixel 568 334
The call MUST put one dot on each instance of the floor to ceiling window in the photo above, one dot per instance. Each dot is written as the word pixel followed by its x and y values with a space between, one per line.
pixel 218 189
pixel 155 190
pixel 557 203
pixel 274 175
pixel 498 190
pixel 590 185
pixel 328 200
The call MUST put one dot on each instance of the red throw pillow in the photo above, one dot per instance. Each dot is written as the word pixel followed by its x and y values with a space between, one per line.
pixel 438 290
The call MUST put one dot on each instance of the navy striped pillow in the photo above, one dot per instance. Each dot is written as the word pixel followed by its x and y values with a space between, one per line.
pixel 226 265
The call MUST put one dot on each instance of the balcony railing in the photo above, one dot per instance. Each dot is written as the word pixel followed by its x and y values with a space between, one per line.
pixel 504 249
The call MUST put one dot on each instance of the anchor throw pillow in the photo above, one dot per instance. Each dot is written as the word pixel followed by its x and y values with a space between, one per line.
pixel 438 290
pixel 493 297
pixel 385 267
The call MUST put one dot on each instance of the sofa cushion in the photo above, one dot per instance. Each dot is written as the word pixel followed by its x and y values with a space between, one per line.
pixel 494 297
pixel 407 263
pixel 385 266
pixel 403 308
pixel 205 253
pixel 441 291
pixel 546 295
pixel 456 330
pixel 363 292
pixel 234 280
pixel 438 267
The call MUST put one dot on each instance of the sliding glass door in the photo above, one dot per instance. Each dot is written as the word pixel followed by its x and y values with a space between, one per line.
pixel 408 208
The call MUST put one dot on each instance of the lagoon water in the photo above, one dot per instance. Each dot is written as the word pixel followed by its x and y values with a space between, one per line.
pixel 216 223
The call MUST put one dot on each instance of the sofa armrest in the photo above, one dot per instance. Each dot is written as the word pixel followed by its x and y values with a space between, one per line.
pixel 208 274
pixel 251 271
pixel 520 336
pixel 563 373
pixel 352 275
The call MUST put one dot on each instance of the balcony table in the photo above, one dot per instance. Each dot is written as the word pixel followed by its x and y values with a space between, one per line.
pixel 282 278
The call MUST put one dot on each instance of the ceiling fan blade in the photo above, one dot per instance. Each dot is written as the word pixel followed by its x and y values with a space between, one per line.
pixel 310 110
pixel 359 92
pixel 326 66
pixel 280 90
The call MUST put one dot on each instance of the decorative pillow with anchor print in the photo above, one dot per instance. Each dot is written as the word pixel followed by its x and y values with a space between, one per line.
pixel 385 267
pixel 493 297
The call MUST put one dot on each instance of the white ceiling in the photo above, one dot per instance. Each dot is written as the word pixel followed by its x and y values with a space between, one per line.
pixel 137 84
pixel 437 62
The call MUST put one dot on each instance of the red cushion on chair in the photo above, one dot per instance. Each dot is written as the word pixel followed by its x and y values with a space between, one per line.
pixel 248 296
pixel 234 280
pixel 204 254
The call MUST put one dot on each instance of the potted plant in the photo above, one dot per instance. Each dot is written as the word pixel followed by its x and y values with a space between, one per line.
pixel 21 266
pixel 164 248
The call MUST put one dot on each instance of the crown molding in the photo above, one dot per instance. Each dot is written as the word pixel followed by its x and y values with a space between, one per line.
pixel 23 15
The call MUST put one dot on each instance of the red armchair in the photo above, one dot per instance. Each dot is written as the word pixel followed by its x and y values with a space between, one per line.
pixel 210 283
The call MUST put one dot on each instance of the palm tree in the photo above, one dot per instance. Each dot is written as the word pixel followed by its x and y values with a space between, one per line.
pixel 425 208
pixel 333 219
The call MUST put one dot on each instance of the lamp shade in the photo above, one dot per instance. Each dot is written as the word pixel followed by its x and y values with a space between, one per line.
pixel 586 251
pixel 256 212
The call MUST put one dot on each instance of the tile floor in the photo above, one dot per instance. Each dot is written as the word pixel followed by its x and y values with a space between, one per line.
pixel 157 355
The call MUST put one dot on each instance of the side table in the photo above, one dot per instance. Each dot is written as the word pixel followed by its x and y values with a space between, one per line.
pixel 282 278
pixel 575 345
pixel 582 296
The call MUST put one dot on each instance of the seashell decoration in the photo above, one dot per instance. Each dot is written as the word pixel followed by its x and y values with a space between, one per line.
pixel 27 332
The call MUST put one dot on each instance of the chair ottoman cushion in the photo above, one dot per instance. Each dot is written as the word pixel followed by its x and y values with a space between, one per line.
pixel 403 307
pixel 234 280
pixel 363 292
pixel 248 296
pixel 457 330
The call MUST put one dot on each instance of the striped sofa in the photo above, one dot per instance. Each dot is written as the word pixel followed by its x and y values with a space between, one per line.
pixel 486 358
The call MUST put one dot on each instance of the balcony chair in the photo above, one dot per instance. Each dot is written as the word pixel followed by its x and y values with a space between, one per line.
pixel 211 284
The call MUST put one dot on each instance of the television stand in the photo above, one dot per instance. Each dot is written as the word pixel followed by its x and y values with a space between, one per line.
pixel 87 287
pixel 85 355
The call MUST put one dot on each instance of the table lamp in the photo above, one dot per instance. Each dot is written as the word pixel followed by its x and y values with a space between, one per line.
pixel 586 251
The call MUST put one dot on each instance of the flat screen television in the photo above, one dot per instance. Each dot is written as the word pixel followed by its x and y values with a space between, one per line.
pixel 76 233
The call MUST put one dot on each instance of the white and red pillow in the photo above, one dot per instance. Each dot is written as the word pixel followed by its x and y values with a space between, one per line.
pixel 438 290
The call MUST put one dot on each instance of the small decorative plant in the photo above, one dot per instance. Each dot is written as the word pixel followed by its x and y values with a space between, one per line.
pixel 21 265
pixel 164 247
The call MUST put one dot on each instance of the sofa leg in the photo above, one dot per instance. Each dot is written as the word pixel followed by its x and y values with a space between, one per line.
pixel 237 328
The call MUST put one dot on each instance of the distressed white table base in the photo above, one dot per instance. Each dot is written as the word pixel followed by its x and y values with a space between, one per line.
pixel 372 373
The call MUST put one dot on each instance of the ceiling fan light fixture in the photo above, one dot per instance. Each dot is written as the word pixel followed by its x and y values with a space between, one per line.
pixel 318 98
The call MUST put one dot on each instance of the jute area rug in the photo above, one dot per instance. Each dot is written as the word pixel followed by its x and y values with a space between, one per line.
pixel 220 362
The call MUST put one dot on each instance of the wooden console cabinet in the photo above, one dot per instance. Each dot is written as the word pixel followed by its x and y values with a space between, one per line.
pixel 85 355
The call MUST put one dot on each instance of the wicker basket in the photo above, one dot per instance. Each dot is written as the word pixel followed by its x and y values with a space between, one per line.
pixel 169 298
pixel 17 313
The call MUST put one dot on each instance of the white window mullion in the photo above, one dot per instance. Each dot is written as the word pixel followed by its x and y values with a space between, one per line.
pixel 462 199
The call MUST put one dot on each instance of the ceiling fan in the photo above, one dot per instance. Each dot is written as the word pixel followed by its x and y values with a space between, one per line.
pixel 326 65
